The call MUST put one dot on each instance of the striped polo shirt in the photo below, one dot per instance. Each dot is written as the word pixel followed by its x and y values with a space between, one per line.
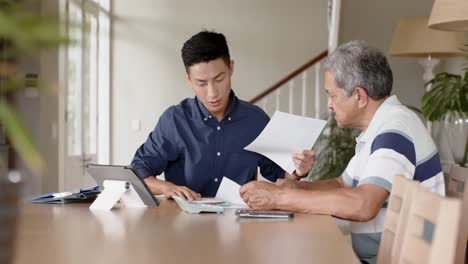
pixel 396 142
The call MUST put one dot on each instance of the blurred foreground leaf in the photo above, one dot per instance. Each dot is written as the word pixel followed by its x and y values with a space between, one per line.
pixel 20 139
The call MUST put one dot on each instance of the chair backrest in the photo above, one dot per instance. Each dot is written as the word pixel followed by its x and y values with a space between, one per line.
pixel 395 220
pixel 457 187
pixel 457 181
pixel 444 214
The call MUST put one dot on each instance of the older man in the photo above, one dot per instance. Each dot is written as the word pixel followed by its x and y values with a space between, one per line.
pixel 394 141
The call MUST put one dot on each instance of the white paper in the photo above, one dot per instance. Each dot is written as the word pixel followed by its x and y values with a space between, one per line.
pixel 208 200
pixel 229 191
pixel 62 194
pixel 284 135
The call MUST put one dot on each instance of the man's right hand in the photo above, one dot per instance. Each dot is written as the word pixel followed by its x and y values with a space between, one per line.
pixel 168 189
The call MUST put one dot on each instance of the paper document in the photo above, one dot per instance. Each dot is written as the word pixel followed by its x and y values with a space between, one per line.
pixel 284 135
pixel 207 200
pixel 229 191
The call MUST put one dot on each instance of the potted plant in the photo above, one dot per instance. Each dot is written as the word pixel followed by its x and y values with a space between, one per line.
pixel 335 148
pixel 21 33
pixel 447 101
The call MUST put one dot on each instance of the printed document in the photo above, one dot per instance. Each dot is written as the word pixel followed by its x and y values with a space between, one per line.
pixel 284 135
pixel 229 191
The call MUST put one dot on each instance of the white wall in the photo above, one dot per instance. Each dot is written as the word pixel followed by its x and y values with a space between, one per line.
pixel 267 40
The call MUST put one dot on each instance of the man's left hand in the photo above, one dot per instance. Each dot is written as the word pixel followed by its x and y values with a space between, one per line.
pixel 303 162
pixel 260 195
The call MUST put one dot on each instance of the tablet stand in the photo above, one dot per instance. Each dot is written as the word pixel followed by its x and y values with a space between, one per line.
pixel 115 191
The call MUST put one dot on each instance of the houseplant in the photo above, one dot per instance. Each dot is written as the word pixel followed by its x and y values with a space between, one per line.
pixel 335 148
pixel 447 101
pixel 22 33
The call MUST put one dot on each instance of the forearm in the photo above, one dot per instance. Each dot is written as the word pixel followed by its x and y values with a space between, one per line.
pixel 320 185
pixel 344 203
pixel 156 186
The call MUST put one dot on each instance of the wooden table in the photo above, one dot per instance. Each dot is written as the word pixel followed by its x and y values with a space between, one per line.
pixel 73 234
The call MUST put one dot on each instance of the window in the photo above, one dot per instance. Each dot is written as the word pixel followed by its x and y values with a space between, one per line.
pixel 88 81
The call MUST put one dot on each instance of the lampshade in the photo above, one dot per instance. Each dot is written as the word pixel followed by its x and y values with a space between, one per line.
pixel 413 38
pixel 449 15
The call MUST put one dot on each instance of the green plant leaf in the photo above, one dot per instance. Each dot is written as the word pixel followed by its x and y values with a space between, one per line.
pixel 13 85
pixel 449 94
pixel 20 139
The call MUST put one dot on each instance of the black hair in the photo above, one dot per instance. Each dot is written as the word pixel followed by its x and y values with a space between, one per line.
pixel 205 46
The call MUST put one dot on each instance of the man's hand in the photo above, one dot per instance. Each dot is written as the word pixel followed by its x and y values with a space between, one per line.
pixel 260 195
pixel 181 191
pixel 303 162
pixel 169 189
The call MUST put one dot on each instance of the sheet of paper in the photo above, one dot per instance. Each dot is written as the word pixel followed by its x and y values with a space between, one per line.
pixel 229 191
pixel 284 135
pixel 208 200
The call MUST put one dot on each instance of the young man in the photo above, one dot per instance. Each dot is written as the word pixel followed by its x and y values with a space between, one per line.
pixel 201 140
pixel 358 83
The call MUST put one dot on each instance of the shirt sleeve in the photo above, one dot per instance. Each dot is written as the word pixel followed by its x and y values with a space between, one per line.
pixel 152 158
pixel 346 175
pixel 270 170
pixel 392 153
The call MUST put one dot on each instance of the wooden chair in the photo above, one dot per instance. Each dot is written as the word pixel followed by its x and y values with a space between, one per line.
pixel 395 220
pixel 444 213
pixel 457 188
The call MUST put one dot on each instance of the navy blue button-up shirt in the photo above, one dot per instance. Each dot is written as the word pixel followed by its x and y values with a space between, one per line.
pixel 196 150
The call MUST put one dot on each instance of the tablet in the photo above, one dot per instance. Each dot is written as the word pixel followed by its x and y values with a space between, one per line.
pixel 121 173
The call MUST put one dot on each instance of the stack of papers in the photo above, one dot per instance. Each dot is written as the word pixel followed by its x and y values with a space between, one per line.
pixel 228 192
pixel 83 195
pixel 228 196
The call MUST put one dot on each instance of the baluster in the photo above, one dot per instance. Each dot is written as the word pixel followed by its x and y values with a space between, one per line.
pixel 278 93
pixel 264 104
pixel 317 90
pixel 304 94
pixel 291 96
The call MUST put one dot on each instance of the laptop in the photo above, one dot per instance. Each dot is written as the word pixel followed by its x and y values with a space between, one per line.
pixel 121 173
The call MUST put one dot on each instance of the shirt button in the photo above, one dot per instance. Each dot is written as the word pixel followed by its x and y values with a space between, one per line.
pixel 219 128
pixel 229 118
pixel 209 116
pixel 205 118
pixel 216 179
pixel 218 154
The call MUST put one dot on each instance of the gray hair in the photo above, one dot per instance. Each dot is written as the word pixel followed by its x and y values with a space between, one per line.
pixel 357 64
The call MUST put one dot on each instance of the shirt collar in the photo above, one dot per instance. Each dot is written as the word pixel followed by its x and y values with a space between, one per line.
pixel 378 118
pixel 232 107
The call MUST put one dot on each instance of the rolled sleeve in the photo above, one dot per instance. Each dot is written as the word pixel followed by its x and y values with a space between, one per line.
pixel 375 180
pixel 347 179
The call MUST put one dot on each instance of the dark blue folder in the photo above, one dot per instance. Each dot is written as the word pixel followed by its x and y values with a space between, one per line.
pixel 84 195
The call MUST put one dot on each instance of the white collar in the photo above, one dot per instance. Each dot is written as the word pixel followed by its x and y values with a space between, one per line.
pixel 377 119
